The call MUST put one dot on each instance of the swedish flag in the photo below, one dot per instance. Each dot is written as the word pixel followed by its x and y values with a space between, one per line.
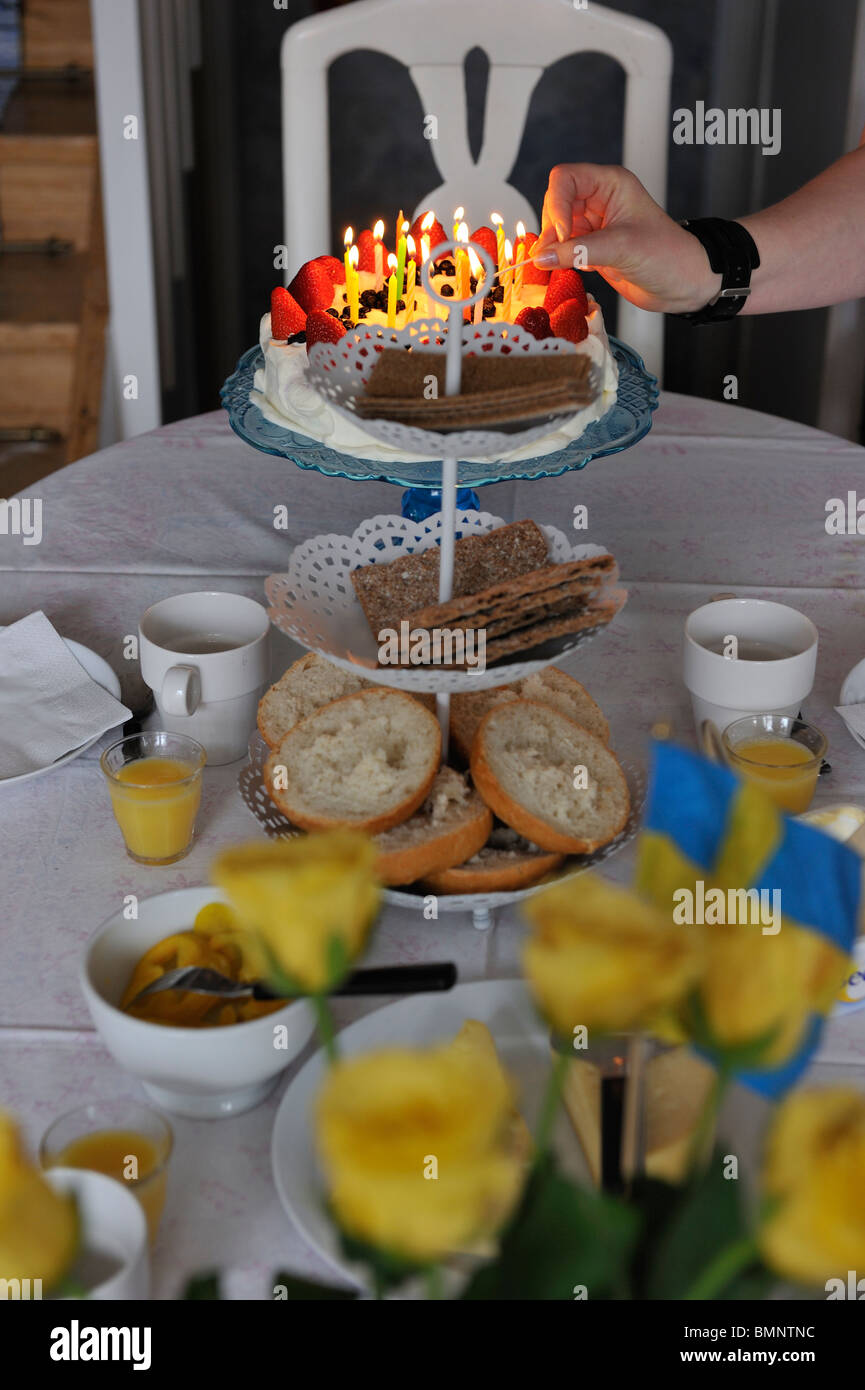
pixel 705 830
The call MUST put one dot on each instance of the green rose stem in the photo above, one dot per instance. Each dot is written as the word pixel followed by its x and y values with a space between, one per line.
pixel 327 1032
pixel 698 1156
pixel 434 1283
pixel 725 1266
pixel 552 1097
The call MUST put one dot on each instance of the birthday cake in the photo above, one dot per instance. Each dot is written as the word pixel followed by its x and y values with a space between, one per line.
pixel 372 285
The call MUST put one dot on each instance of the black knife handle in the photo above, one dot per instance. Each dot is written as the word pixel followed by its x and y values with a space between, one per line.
pixel 401 979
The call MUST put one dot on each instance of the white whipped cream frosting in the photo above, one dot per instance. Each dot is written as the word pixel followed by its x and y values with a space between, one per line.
pixel 285 397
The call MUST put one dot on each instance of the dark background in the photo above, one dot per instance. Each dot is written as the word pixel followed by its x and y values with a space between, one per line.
pixel 786 53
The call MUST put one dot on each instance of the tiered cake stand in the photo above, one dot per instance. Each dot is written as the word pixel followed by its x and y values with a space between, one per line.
pixel 314 603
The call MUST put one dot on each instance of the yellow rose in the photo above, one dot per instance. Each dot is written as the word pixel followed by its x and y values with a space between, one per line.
pixel 295 898
pixel 418 1150
pixel 603 958
pixel 756 985
pixel 38 1226
pixel 815 1172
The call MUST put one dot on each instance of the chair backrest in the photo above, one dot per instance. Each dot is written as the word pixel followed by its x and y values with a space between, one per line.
pixel 431 38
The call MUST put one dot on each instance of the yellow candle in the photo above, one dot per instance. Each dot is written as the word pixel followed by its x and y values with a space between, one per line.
pixel 354 285
pixel 462 263
pixel 459 214
pixel 378 233
pixel 508 284
pixel 496 219
pixel 521 257
pixel 347 240
pixel 400 258
pixel 477 271
pixel 412 276
pixel 391 291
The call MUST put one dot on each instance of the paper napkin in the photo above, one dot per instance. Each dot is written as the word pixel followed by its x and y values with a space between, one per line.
pixel 48 703
pixel 854 718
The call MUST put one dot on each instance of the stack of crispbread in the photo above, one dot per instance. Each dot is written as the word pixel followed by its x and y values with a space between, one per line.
pixel 503 586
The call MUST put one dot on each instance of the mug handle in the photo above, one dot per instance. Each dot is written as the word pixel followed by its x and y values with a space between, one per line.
pixel 181 690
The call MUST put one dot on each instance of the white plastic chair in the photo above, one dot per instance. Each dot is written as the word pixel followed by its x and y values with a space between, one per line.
pixel 432 37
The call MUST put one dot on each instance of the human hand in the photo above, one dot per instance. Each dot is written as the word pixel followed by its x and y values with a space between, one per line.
pixel 628 238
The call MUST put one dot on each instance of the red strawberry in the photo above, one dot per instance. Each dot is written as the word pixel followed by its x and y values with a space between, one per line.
pixel 535 321
pixel 312 287
pixel 436 233
pixel 322 328
pixel 334 268
pixel 533 275
pixel 564 285
pixel 569 321
pixel 286 315
pixel 486 237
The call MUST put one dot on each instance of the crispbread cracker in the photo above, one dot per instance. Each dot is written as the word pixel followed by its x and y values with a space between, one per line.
pixel 389 592
pixel 536 633
pixel 513 595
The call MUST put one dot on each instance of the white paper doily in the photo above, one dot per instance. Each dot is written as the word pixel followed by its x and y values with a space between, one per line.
pixel 315 602
pixel 339 371
pixel 254 793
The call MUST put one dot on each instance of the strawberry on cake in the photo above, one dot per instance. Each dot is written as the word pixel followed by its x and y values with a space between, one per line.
pixel 318 304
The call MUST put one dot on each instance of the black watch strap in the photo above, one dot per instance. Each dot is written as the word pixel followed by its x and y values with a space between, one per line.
pixel 732 255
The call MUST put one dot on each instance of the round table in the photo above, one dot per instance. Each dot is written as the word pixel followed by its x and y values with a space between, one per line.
pixel 716 498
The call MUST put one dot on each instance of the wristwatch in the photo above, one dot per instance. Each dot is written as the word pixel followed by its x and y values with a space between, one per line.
pixel 732 255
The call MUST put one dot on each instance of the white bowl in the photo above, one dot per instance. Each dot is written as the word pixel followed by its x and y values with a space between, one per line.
pixel 112 1224
pixel 205 1073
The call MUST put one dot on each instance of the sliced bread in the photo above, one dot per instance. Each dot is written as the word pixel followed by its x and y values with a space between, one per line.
pixel 549 687
pixel 523 764
pixel 367 760
pixel 310 683
pixel 505 863
pixel 451 826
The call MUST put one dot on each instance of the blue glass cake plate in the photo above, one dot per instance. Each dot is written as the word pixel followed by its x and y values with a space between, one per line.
pixel 623 426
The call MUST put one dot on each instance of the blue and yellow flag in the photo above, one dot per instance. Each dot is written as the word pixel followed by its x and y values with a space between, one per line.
pixel 776 900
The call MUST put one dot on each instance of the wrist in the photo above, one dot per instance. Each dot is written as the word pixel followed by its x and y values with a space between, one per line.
pixel 732 256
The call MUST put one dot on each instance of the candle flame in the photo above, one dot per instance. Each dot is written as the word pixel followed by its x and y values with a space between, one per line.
pixel 409 241
pixel 427 222
pixel 354 256
pixel 391 261
pixel 349 236
pixel 474 262
pixel 496 218
pixel 459 214
pixel 521 231
pixel 424 249
pixel 404 225
pixel 462 232
pixel 378 230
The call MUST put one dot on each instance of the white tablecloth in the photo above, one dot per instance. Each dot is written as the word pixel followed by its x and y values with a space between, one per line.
pixel 715 499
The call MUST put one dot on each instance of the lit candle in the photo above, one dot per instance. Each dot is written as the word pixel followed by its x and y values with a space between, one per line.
pixel 378 233
pixel 496 219
pixel 353 285
pixel 477 271
pixel 509 283
pixel 400 257
pixel 391 291
pixel 462 264
pixel 521 257
pixel 459 214
pixel 412 275
pixel 348 239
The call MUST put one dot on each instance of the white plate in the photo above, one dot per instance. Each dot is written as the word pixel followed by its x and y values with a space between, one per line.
pixel 419 1021
pixel 98 670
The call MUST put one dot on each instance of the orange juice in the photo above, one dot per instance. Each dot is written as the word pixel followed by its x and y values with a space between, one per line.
pixel 127 1156
pixel 155 803
pixel 782 768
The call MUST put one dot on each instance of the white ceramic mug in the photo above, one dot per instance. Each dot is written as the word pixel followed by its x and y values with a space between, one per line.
pixel 113 1228
pixel 206 657
pixel 724 688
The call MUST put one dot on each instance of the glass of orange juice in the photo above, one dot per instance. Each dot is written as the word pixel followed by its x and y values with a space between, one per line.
pixel 155 784
pixel 781 755
pixel 121 1138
